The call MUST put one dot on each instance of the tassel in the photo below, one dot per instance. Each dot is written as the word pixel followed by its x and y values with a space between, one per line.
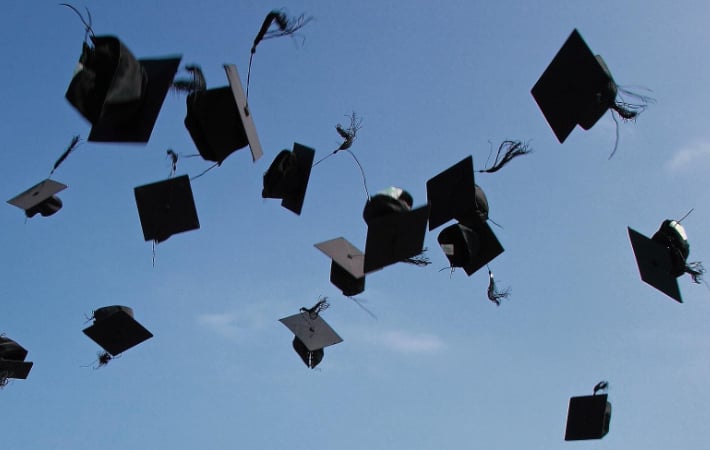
pixel 4 378
pixel 72 145
pixel 627 110
pixel 420 260
pixel 87 25
pixel 286 26
pixel 494 294
pixel 510 150
pixel 313 312
pixel 696 271
pixel 601 386
pixel 174 159
pixel 195 84
pixel 103 358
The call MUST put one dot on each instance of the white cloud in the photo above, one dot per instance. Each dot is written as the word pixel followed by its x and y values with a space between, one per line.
pixel 689 154
pixel 224 324
pixel 404 342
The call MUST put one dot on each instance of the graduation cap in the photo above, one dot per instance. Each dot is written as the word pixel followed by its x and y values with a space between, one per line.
pixel 287 177
pixel 120 95
pixel 311 333
pixel 166 208
pixel 577 89
pixel 470 246
pixel 115 329
pixel 588 417
pixel 347 266
pixel 40 198
pixel 219 120
pixel 12 361
pixel 662 259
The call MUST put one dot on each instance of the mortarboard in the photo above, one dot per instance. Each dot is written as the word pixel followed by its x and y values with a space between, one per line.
pixel 40 198
pixel 287 177
pixel 120 95
pixel 655 264
pixel 347 267
pixel 115 329
pixel 219 120
pixel 470 247
pixel 312 334
pixel 166 208
pixel 12 360
pixel 395 237
pixel 588 417
pixel 575 89
pixel 452 193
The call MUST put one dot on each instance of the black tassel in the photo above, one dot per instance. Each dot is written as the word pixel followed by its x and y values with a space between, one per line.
pixel 87 25
pixel 194 84
pixel 494 294
pixel 4 378
pixel 174 159
pixel 349 133
pixel 72 145
pixel 420 260
pixel 510 150
pixel 103 358
pixel 313 312
pixel 696 271
pixel 286 26
pixel 601 386
pixel 627 110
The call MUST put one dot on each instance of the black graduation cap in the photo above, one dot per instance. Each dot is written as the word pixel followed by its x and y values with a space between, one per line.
pixel 588 417
pixel 12 361
pixel 166 208
pixel 287 177
pixel 575 89
pixel 469 246
pixel 312 334
pixel 395 232
pixel 347 266
pixel 120 95
pixel 115 329
pixel 40 198
pixel 220 122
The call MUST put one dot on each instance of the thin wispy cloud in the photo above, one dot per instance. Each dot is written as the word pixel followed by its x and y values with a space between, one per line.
pixel 689 155
pixel 405 342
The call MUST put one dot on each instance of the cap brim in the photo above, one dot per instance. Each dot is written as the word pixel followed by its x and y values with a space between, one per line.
pixel 166 208
pixel 345 255
pixel 16 369
pixel 37 194
pixel 117 333
pixel 293 201
pixel 314 333
pixel 343 280
pixel 244 113
pixel 654 263
pixel 109 128
pixel 394 238
pixel 452 193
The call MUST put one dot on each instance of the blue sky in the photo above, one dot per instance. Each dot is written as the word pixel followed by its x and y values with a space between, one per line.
pixel 441 367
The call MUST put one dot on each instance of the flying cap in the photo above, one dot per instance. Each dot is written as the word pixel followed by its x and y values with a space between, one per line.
pixel 395 237
pixel 347 268
pixel 120 95
pixel 12 360
pixel 166 208
pixel 115 329
pixel 470 247
pixel 219 120
pixel 40 198
pixel 288 175
pixel 655 264
pixel 452 193
pixel 588 417
pixel 312 333
pixel 576 88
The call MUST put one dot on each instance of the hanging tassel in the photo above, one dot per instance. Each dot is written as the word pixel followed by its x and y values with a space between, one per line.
pixel 627 110
pixel 196 83
pixel 313 312
pixel 72 145
pixel 510 150
pixel 601 386
pixel 103 358
pixel 420 260
pixel 286 26
pixel 174 159
pixel 696 271
pixel 494 294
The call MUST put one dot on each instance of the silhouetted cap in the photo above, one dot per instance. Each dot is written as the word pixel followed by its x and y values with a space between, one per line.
pixel 395 237
pixel 40 198
pixel 220 122
pixel 312 335
pixel 655 264
pixel 166 208
pixel 470 247
pixel 576 88
pixel 287 177
pixel 120 95
pixel 12 360
pixel 115 329
pixel 453 194
pixel 347 268
pixel 588 417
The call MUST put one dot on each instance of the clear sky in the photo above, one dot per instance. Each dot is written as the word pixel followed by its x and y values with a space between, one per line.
pixel 441 367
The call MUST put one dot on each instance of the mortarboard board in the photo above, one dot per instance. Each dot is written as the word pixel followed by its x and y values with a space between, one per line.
pixel 12 360
pixel 576 88
pixel 312 335
pixel 166 208
pixel 655 264
pixel 287 177
pixel 120 95
pixel 347 268
pixel 40 198
pixel 588 417
pixel 219 120
pixel 115 329
pixel 395 237
pixel 470 247
pixel 452 193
